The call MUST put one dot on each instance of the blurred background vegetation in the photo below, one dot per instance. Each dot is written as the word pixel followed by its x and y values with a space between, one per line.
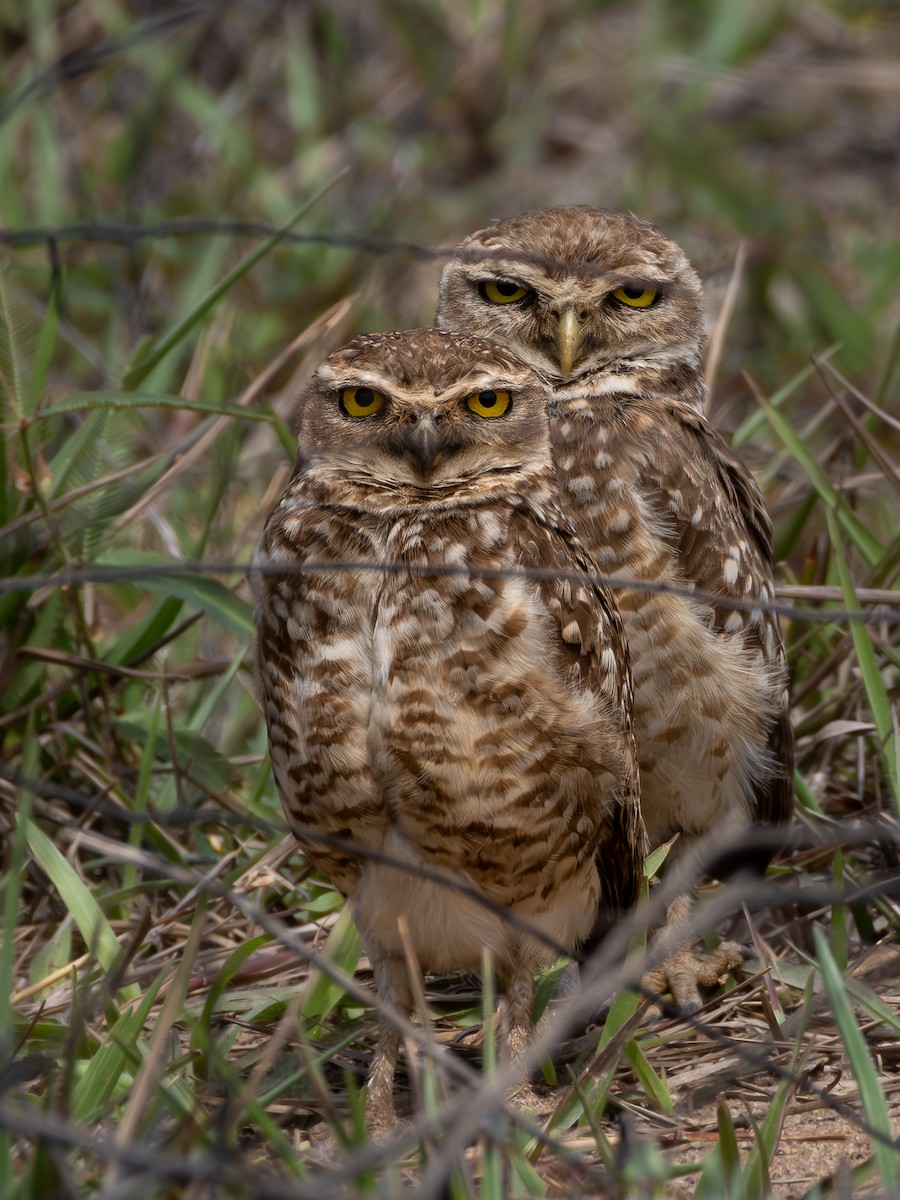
pixel 146 149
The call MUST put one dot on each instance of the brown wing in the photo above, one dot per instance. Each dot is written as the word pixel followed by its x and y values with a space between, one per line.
pixel 722 536
pixel 595 650
pixel 316 744
pixel 716 505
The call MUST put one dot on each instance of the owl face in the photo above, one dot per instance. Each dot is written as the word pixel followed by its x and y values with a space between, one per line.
pixel 422 410
pixel 575 290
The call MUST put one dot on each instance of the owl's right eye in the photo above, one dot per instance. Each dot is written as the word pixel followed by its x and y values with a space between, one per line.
pixel 501 291
pixel 361 401
pixel 489 403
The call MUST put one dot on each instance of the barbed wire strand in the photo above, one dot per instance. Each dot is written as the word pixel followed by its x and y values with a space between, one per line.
pixel 886 598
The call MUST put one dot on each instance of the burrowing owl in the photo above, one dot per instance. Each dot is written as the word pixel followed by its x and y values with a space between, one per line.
pixel 474 725
pixel 608 311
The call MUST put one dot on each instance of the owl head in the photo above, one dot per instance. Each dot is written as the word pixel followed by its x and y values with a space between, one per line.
pixel 423 410
pixel 575 290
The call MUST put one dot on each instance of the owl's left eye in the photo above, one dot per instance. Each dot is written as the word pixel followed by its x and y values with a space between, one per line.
pixel 361 401
pixel 635 297
pixel 489 403
pixel 501 291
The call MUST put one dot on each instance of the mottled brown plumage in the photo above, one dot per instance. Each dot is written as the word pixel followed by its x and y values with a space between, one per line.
pixel 608 311
pixel 480 727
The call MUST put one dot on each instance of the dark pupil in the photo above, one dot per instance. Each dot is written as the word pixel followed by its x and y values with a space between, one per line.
pixel 487 399
pixel 633 292
pixel 506 289
pixel 364 397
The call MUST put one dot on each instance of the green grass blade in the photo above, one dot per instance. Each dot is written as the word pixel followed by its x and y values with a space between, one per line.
pixel 227 972
pixel 527 1176
pixel 728 1144
pixel 866 543
pixel 655 859
pixel 652 1083
pixel 80 458
pixel 158 350
pixel 12 889
pixel 879 701
pixel 756 420
pixel 115 1063
pixel 840 938
pixel 625 1002
pixel 143 634
pixel 43 355
pixel 74 893
pixel 756 1171
pixel 17 337
pixel 206 594
pixel 721 1167
pixel 871 1093
pixel 91 401
pixel 342 948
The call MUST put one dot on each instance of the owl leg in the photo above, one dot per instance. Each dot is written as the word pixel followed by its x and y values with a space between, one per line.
pixel 392 986
pixel 520 1009
pixel 519 996
pixel 681 972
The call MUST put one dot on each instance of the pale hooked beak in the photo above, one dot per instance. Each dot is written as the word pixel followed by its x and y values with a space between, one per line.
pixel 569 337
pixel 422 440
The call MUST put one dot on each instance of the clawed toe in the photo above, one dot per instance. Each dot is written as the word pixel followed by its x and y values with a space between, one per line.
pixel 682 974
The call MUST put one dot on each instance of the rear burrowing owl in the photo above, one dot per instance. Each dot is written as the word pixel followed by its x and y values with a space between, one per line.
pixel 474 725
pixel 608 311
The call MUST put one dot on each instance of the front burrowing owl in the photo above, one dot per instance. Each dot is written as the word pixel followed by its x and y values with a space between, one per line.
pixel 608 311
pixel 474 725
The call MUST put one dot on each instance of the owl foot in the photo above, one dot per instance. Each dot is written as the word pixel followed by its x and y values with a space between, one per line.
pixel 682 974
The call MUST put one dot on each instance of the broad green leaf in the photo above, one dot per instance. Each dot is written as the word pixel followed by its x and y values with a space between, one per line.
pixel 55 953
pixel 655 859
pixel 342 949
pixel 323 903
pixel 139 637
pixel 205 593
pixel 196 757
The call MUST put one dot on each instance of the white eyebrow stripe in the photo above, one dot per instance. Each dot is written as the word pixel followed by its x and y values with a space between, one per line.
pixel 478 381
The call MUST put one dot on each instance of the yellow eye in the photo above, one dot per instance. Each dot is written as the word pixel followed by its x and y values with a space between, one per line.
pixel 489 403
pixel 501 291
pixel 361 401
pixel 635 297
